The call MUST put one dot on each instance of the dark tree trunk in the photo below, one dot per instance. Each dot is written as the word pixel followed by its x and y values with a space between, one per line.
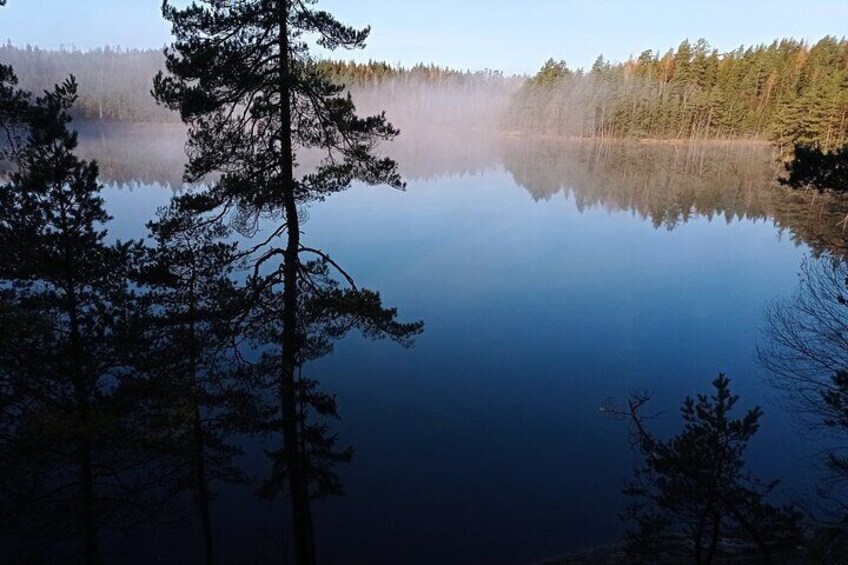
pixel 91 547
pixel 298 482
pixel 714 537
pixel 198 439
pixel 201 487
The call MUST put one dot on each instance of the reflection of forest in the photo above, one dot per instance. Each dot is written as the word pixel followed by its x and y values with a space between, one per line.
pixel 667 184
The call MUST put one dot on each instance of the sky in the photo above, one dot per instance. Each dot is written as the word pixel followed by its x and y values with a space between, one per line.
pixel 512 36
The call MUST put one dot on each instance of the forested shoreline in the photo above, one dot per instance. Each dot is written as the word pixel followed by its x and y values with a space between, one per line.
pixel 785 92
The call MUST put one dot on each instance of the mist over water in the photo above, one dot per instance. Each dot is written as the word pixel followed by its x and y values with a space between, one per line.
pixel 474 103
pixel 444 129
pixel 115 86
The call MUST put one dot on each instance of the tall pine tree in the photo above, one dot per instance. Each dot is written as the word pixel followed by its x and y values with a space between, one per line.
pixel 242 76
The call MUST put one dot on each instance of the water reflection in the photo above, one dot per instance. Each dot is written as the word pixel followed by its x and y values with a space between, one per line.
pixel 805 351
pixel 132 155
pixel 665 183
pixel 512 286
pixel 670 184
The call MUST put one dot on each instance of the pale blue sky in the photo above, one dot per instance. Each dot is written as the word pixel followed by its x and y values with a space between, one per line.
pixel 507 35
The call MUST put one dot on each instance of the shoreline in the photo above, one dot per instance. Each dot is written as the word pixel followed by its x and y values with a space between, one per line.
pixel 638 140
pixel 515 134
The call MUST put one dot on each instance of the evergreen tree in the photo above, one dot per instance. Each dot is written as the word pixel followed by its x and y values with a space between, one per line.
pixel 69 423
pixel 242 76
pixel 14 104
pixel 786 91
pixel 192 358
pixel 694 487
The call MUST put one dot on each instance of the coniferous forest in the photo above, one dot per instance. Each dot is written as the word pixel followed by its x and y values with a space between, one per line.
pixel 786 92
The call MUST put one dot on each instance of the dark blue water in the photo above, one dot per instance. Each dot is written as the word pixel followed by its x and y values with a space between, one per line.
pixel 542 298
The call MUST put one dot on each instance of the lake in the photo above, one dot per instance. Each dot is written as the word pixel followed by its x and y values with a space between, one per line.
pixel 551 276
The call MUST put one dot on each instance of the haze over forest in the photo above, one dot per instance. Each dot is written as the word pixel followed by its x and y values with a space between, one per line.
pixel 787 91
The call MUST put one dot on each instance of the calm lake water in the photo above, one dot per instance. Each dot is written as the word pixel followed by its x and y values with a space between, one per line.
pixel 551 276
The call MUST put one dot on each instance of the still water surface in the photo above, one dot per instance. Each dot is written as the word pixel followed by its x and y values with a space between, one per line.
pixel 551 276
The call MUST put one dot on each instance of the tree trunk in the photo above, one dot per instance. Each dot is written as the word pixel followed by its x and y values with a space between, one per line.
pixel 298 481
pixel 714 537
pixel 201 487
pixel 91 547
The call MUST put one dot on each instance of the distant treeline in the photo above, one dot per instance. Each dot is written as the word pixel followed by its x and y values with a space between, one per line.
pixel 427 96
pixel 115 86
pixel 352 73
pixel 787 92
